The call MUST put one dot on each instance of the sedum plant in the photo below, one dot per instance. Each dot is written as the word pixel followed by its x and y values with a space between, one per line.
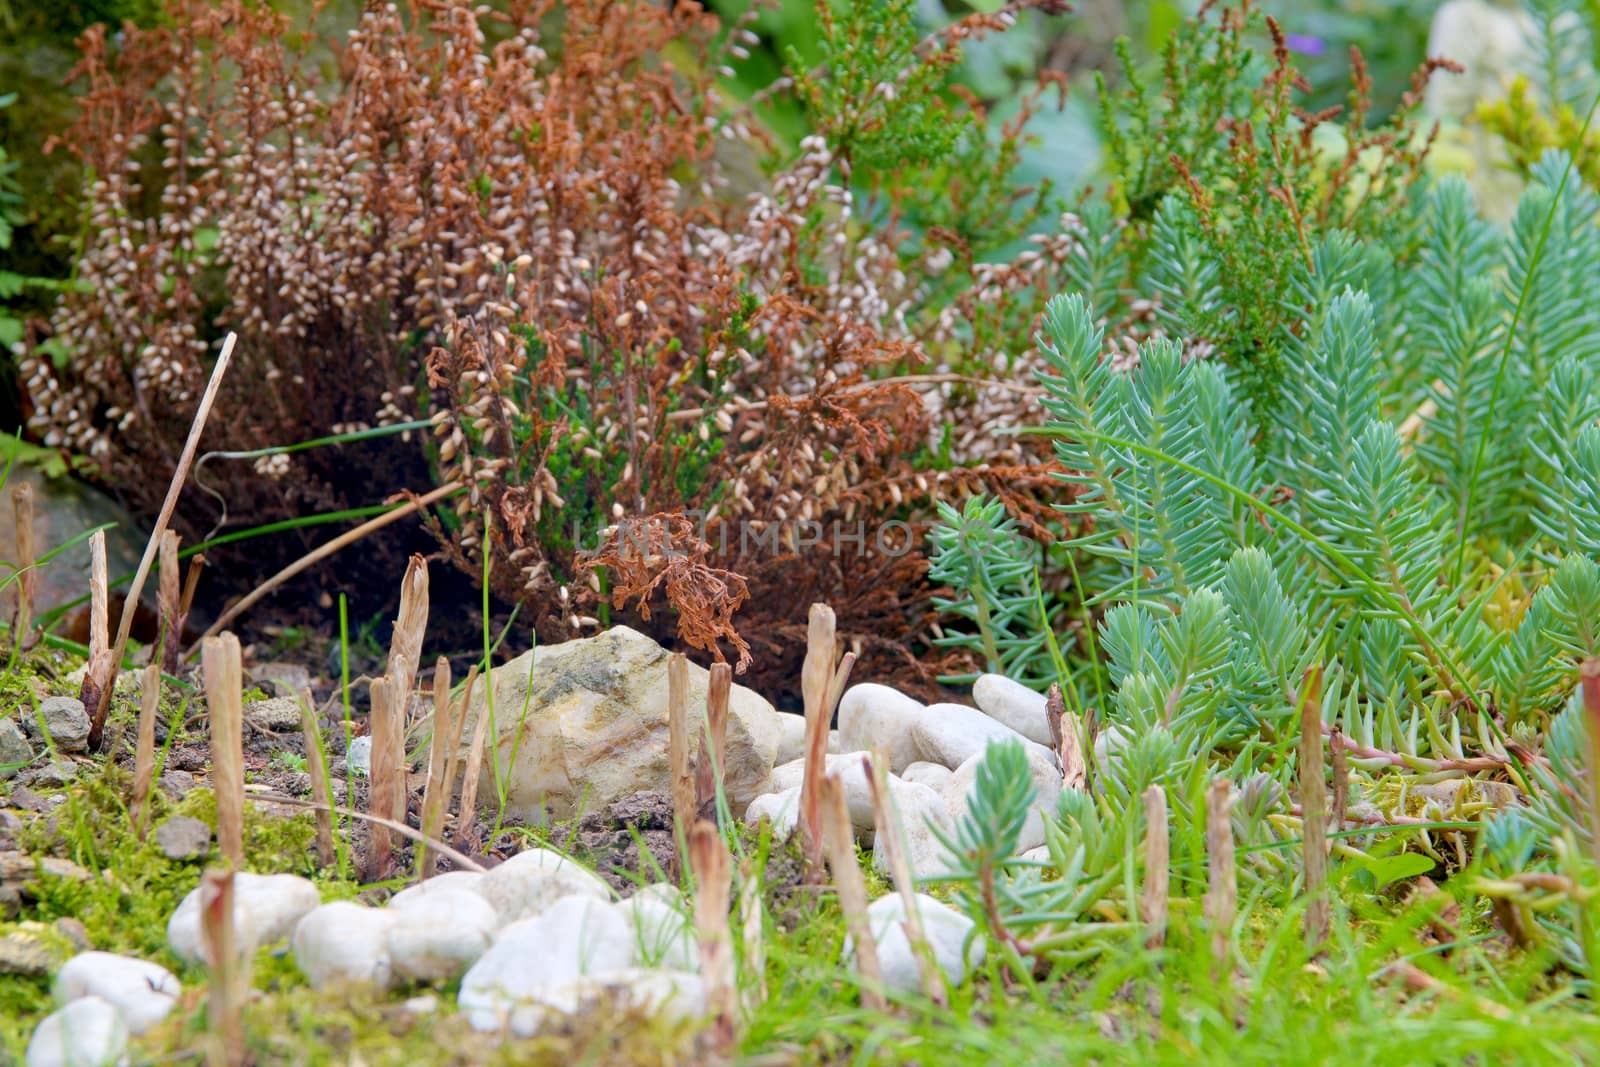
pixel 1413 525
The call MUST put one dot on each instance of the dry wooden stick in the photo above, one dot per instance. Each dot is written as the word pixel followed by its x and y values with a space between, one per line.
pixel 388 744
pixel 1341 778
pixel 892 835
pixel 713 875
pixel 22 515
pixel 1222 889
pixel 230 969
pixel 683 802
pixel 191 582
pixel 752 926
pixel 839 841
pixel 1313 808
pixel 469 778
pixel 405 646
pixel 1589 676
pixel 458 722
pixel 816 677
pixel 99 673
pixel 169 597
pixel 708 768
pixel 318 769
pixel 461 861
pixel 144 756
pixel 179 475
pixel 437 788
pixel 1157 868
pixel 322 552
pixel 224 677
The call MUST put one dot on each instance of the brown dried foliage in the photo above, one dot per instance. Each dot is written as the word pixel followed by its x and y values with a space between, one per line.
pixel 521 227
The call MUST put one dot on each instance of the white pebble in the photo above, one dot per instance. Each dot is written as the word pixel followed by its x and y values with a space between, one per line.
pixel 142 991
pixel 88 1032
pixel 934 775
pixel 1046 793
pixel 879 715
pixel 946 929
pixel 1013 704
pixel 266 908
pixel 575 936
pixel 437 935
pixel 950 734
pixel 343 944
pixel 782 810
pixel 529 882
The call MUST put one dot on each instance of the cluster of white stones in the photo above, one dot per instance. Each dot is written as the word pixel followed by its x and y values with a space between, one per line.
pixel 933 752
pixel 534 940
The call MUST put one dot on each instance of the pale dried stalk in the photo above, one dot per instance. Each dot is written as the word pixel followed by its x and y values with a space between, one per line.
pixel 191 582
pixel 179 475
pixel 318 769
pixel 230 970
pixel 1066 739
pixel 752 926
pixel 144 754
pixel 891 833
pixel 322 552
pixel 713 874
pixel 816 677
pixel 708 768
pixel 1313 808
pixel 1157 868
pixel 224 675
pixel 100 672
pixel 683 802
pixel 436 789
pixel 1341 777
pixel 388 742
pixel 1589 676
pixel 22 514
pixel 839 841
pixel 1222 889
pixel 452 763
pixel 461 861
pixel 469 778
pixel 405 646
pixel 169 596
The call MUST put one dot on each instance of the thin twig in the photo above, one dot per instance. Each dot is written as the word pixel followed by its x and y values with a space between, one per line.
pixel 838 838
pixel 322 552
pixel 22 516
pixel 460 860
pixel 1314 805
pixel 224 678
pixel 179 476
pixel 144 756
pixel 683 791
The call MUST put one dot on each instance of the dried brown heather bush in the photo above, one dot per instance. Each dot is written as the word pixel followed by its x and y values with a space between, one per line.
pixel 534 245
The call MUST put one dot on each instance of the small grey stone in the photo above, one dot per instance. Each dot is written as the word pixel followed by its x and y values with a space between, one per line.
pixel 26 954
pixel 359 758
pixel 176 784
pixel 15 752
pixel 183 838
pixel 24 799
pixel 279 715
pixel 66 721
pixel 285 679
pixel 54 775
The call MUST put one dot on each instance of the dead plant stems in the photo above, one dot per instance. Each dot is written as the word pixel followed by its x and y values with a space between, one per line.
pixel 322 552
pixel 224 678
pixel 179 476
